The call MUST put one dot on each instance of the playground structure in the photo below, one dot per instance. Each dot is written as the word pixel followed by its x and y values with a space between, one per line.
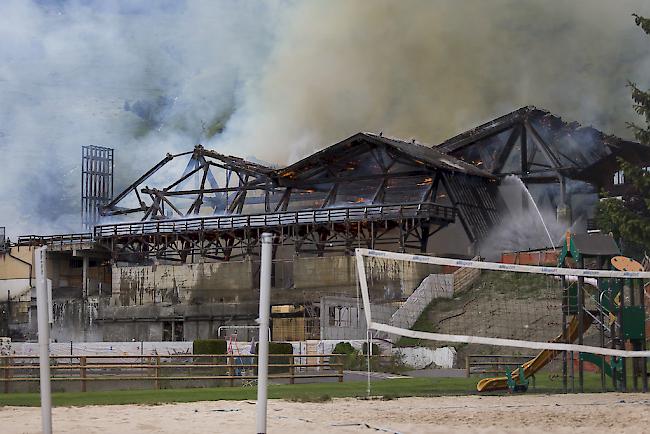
pixel 614 306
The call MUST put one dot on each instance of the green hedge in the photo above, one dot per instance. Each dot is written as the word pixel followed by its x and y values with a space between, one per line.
pixel 354 359
pixel 344 348
pixel 278 348
pixel 210 346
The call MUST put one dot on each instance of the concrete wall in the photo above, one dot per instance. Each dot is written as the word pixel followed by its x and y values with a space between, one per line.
pixel 349 320
pixel 187 283
pixel 205 296
pixel 197 321
pixel 11 268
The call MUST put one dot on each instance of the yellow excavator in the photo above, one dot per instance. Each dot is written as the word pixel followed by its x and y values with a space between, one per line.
pixel 543 358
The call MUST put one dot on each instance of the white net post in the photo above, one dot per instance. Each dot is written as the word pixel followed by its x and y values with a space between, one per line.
pixel 43 308
pixel 264 313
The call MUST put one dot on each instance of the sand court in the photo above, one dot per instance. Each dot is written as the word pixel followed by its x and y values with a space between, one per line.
pixel 585 413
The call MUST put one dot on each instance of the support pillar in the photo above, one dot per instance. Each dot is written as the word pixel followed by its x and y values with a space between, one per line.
pixel 84 284
pixel 581 331
pixel 565 308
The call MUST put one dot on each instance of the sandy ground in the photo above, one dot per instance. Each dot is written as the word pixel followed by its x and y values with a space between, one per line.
pixel 587 413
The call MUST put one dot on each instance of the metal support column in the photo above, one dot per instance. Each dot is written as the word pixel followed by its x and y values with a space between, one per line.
pixel 565 307
pixel 644 360
pixel 581 331
pixel 621 338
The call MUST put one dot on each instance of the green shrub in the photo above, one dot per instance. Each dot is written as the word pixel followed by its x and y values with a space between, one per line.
pixel 278 348
pixel 344 348
pixel 210 346
pixel 351 358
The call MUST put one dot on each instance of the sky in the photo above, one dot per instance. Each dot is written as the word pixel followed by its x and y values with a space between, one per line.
pixel 281 79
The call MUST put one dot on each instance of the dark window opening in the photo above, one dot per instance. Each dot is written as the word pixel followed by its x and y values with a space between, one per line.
pixel 172 331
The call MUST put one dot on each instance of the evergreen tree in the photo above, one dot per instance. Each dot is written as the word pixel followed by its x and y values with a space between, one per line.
pixel 629 219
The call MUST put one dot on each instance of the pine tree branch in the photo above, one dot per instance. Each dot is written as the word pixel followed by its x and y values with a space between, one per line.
pixel 642 22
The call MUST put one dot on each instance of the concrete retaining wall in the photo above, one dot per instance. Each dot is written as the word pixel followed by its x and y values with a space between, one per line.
pixel 432 287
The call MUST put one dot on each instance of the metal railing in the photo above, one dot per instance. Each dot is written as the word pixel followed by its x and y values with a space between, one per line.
pixel 54 240
pixel 327 215
pixel 230 369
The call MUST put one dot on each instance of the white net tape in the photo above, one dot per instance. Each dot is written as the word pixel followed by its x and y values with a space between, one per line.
pixel 399 328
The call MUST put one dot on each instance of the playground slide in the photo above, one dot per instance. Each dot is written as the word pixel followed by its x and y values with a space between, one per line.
pixel 534 365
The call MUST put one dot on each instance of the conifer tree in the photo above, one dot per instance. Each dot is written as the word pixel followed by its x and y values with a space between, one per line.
pixel 629 219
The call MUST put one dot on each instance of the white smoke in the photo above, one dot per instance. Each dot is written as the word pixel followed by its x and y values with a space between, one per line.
pixel 144 77
pixel 154 77
pixel 528 222
pixel 431 69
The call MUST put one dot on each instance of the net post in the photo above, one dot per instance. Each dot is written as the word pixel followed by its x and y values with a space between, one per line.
pixel 644 360
pixel 621 337
pixel 635 380
pixel 581 331
pixel 565 308
pixel 363 282
pixel 42 307
pixel 263 339
pixel 601 318
pixel 368 352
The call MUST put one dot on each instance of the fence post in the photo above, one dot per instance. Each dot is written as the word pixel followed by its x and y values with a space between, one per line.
pixel 340 362
pixel 467 366
pixel 292 379
pixel 82 368
pixel 7 374
pixel 231 371
pixel 157 372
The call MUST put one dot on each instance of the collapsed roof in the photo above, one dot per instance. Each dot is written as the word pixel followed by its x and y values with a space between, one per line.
pixel 539 146
pixel 364 169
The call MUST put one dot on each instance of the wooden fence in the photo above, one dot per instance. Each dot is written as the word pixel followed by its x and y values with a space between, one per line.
pixel 231 369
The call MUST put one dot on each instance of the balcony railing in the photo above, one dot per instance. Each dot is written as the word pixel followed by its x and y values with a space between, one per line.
pixel 53 240
pixel 277 219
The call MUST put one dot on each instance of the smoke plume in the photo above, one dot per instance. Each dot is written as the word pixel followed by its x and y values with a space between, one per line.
pixel 284 78
pixel 143 77
pixel 433 69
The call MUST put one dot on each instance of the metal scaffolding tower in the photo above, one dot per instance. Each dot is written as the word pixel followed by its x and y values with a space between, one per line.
pixel 96 182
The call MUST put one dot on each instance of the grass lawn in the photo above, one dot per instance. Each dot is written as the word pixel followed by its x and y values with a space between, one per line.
pixel 392 388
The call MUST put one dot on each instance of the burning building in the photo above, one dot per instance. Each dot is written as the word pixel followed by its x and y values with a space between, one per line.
pixel 176 254
pixel 560 162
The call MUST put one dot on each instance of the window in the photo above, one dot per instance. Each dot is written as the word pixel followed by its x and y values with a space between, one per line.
pixel 172 331
pixel 619 178
pixel 343 316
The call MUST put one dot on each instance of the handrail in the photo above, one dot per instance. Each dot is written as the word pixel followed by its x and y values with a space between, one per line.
pixel 219 222
pixel 61 239
pixel 312 216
